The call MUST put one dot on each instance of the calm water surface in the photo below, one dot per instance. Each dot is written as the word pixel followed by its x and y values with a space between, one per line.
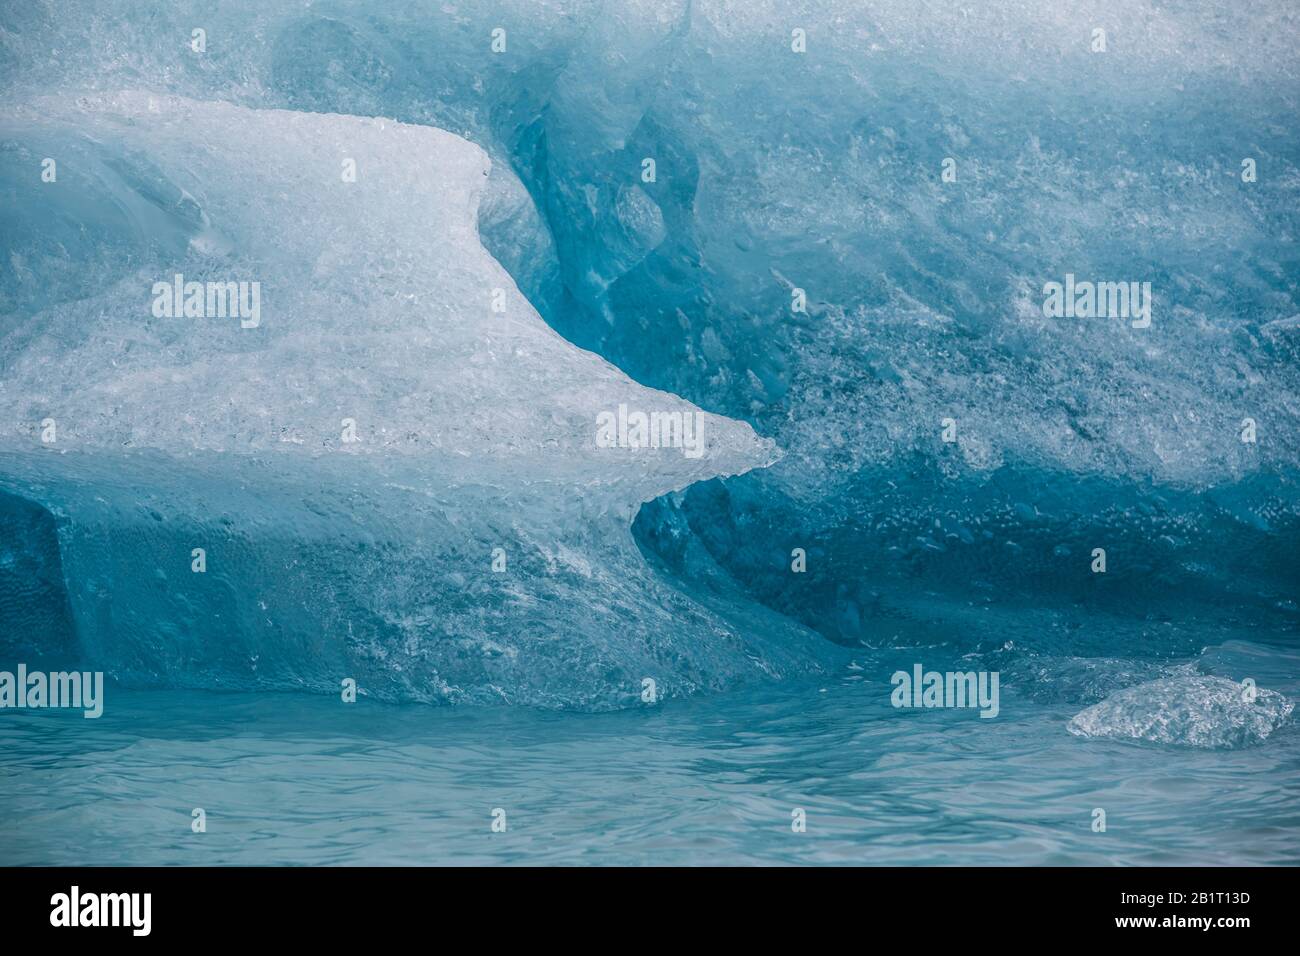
pixel 291 779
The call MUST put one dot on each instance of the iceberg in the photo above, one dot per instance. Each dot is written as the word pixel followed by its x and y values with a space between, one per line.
pixel 817 169
pixel 392 475
pixel 841 238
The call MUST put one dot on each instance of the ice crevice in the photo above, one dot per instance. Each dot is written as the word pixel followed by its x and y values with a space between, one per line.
pixel 388 478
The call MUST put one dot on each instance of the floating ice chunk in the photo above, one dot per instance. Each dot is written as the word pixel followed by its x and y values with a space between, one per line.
pixel 1193 710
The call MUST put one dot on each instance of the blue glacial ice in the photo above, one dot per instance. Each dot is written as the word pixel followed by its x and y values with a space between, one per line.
pixel 774 172
pixel 329 558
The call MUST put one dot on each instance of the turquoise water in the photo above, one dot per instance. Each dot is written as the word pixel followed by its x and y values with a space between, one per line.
pixel 295 779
